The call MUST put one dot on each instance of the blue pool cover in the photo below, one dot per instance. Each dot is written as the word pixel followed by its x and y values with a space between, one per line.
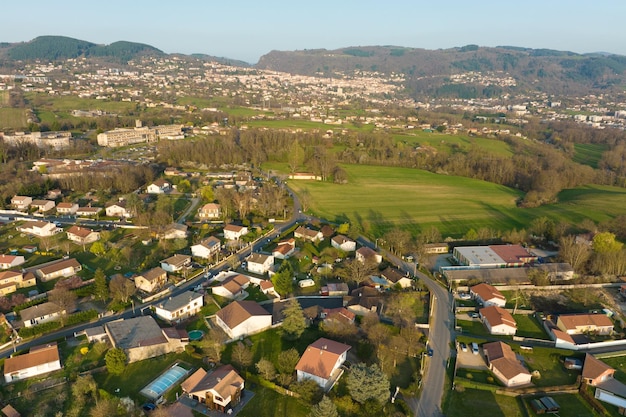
pixel 164 382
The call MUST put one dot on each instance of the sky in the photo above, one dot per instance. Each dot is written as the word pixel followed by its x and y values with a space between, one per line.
pixel 246 30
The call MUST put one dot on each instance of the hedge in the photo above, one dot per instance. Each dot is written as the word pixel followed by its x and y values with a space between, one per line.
pixel 39 329
pixel 81 317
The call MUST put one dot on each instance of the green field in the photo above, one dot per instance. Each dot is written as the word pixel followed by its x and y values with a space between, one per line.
pixel 589 153
pixel 4 98
pixel 479 403
pixel 380 198
pixel 12 118
pixel 447 143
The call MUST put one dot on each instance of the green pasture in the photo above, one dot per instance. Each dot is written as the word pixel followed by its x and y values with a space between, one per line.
pixel 479 403
pixel 4 98
pixel 448 143
pixel 380 198
pixel 589 153
pixel 65 104
pixel 305 125
pixel 12 118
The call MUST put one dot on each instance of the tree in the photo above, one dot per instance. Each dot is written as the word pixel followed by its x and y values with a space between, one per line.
pixel 368 382
pixel 121 289
pixel 101 287
pixel 398 240
pixel 134 205
pixel 296 156
pixel 431 235
pixel 266 368
pixel 97 248
pixel 64 298
pixel 325 408
pixel 604 242
pixel 294 322
pixel 338 329
pixel 282 280
pixel 308 389
pixel 213 344
pixel 286 365
pixel 400 309
pixel 83 386
pixel 412 336
pixel 357 271
pixel 105 408
pixel 242 355
pixel 116 361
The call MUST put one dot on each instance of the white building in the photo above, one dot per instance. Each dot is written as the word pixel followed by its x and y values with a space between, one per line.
pixel 243 318
pixel 206 248
pixel 180 307
pixel 259 263
pixel 40 360
pixel 321 362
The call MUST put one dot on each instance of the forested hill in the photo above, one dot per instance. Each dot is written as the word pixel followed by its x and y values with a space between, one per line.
pixel 60 47
pixel 428 72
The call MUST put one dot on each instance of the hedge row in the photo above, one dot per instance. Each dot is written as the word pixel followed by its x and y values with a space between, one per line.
pixel 39 329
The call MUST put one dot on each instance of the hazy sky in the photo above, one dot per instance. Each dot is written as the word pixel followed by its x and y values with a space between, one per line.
pixel 243 29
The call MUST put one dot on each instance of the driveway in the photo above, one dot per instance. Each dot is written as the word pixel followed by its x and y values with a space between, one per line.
pixel 468 360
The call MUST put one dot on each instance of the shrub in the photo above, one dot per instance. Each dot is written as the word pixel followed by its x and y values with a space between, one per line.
pixel 39 329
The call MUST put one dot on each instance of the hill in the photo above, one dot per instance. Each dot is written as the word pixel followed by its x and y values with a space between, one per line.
pixel 60 47
pixel 429 72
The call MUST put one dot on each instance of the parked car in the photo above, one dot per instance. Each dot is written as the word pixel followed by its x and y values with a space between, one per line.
pixel 429 352
pixel 475 348
pixel 464 296
pixel 473 314
pixel 148 407
pixel 463 346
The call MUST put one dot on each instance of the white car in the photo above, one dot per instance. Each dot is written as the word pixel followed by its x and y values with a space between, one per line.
pixel 464 296
pixel 475 348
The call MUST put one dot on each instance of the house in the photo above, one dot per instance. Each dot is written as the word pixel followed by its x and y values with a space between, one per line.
pixel 234 232
pixel 498 320
pixel 327 231
pixel 504 364
pixel 308 234
pixel 38 361
pixel 364 300
pixel 321 362
pixel 340 315
pixel 210 211
pixel 180 307
pixel 88 211
pixel 487 295
pixel 39 228
pixel 267 288
pixel 142 338
pixel 395 277
pixel 10 281
pixel 259 263
pixel 595 371
pixel 67 208
pixel 159 186
pixel 436 248
pixel 42 205
pixel 54 194
pixel 56 269
pixel 219 390
pixel 151 280
pixel 96 334
pixel 585 323
pixel 117 210
pixel 243 318
pixel 174 231
pixel 344 243
pixel 82 235
pixel 335 289
pixel 284 249
pixel 9 261
pixel 40 313
pixel 20 202
pixel 206 248
pixel 176 263
pixel 364 254
pixel 9 411
pixel 232 287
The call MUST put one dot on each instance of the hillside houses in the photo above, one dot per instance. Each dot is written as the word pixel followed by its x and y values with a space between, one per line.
pixel 39 360
pixel 151 280
pixel 207 248
pixel 10 281
pixel 321 362
pixel 505 365
pixel 39 228
pixel 243 318
pixel 487 295
pixel 82 235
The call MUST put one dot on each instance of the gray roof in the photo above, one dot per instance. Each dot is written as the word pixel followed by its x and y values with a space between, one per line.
pixel 179 301
pixel 39 310
pixel 135 332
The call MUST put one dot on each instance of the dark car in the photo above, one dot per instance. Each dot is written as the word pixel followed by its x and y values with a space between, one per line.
pixel 429 352
pixel 148 407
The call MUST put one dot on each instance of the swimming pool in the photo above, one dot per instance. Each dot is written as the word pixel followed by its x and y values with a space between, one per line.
pixel 164 382
pixel 195 335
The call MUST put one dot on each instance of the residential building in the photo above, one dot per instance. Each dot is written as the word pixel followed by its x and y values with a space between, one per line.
pixel 88 211
pixel 118 210
pixel 487 295
pixel 308 234
pixel 10 281
pixel 340 315
pixel 57 269
pixel 176 263
pixel 9 411
pixel 159 186
pixel 364 300
pixel 139 134
pixel 344 243
pixel 505 366
pixel 39 360
pixel 82 235
pixel 259 263
pixel 45 140
pixel 20 202
pixel 151 280
pixel 365 254
pixel 220 389
pixel 207 248
pixel 175 231
pixel 585 323
pixel 39 228
pixel 42 206
pixel 243 318
pixel 180 307
pixel 321 362
pixel 67 208
pixel 232 287
pixel 210 211
pixel 234 232
pixel 142 338
pixel 335 289
pixel 284 249
pixel 436 248
pixel 498 320
pixel 40 313
pixel 595 371
pixel 395 277
pixel 9 261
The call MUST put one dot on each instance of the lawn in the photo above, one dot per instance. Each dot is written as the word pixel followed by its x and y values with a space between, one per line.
pixel 479 403
pixel 269 403
pixel 527 326
pixel 12 118
pixel 474 327
pixel 589 153
pixel 447 143
pixel 548 361
pixel 380 198
pixel 619 364
pixel 571 405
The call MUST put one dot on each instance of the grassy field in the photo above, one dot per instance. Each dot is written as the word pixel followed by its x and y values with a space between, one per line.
pixel 12 118
pixel 4 98
pixel 570 404
pixel 589 153
pixel 527 326
pixel 380 198
pixel 447 143
pixel 479 403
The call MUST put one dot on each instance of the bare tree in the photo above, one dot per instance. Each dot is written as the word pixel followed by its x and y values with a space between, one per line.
pixel 576 254
pixel 357 271
pixel 121 289
pixel 64 298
